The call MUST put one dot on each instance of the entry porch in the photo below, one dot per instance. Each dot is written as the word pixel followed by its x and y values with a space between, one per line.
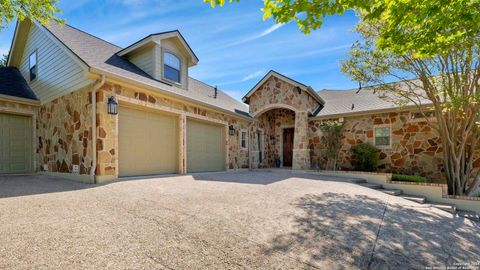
pixel 279 139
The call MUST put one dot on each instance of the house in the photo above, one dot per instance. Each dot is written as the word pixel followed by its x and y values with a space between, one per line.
pixel 76 105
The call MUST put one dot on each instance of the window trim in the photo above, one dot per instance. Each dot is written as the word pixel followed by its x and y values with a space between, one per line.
pixel 246 139
pixel 389 126
pixel 179 70
pixel 36 65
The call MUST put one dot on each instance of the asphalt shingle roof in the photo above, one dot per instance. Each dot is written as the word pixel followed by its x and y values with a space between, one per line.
pixel 100 54
pixel 12 83
pixel 339 102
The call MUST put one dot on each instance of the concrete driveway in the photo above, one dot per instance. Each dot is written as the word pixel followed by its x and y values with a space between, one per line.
pixel 224 220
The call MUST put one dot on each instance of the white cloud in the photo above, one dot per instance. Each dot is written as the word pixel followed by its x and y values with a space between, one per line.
pixel 253 75
pixel 264 33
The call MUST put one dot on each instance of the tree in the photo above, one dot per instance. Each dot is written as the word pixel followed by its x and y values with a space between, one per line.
pixel 3 60
pixel 447 83
pixel 332 139
pixel 42 11
pixel 429 46
pixel 421 27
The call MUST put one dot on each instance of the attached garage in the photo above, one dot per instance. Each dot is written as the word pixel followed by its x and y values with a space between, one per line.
pixel 16 153
pixel 206 146
pixel 148 142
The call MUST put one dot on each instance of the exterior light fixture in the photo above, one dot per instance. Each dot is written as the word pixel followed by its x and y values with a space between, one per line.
pixel 231 130
pixel 112 106
pixel 272 140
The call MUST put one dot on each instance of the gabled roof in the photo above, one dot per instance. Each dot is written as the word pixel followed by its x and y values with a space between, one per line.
pixel 273 73
pixel 13 84
pixel 163 35
pixel 100 56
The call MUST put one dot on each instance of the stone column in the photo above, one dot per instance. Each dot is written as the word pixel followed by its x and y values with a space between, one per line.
pixel 301 152
pixel 107 138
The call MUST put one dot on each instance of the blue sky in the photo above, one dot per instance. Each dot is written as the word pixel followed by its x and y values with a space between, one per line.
pixel 234 45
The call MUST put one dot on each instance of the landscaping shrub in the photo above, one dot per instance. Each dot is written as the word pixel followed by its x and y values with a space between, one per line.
pixel 366 157
pixel 409 178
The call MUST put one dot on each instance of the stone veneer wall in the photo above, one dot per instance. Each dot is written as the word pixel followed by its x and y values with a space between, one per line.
pixel 276 91
pixel 64 133
pixel 271 122
pixel 415 147
pixel 107 134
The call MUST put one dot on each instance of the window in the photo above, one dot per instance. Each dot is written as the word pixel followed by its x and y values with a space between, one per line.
pixel 382 136
pixel 243 139
pixel 171 67
pixel 32 64
pixel 422 116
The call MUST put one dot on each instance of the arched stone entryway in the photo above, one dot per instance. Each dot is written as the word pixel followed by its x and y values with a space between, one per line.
pixel 280 132
pixel 279 103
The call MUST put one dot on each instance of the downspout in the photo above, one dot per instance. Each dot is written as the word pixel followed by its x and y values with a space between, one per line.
pixel 97 86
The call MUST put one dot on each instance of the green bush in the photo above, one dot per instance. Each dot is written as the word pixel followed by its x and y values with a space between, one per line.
pixel 366 157
pixel 409 178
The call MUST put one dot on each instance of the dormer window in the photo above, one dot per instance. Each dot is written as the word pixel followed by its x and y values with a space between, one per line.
pixel 171 67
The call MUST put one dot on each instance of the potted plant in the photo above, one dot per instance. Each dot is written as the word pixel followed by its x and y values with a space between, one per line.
pixel 277 161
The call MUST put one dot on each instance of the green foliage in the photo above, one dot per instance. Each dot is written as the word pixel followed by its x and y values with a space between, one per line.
pixel 3 60
pixel 421 27
pixel 332 139
pixel 42 11
pixel 366 157
pixel 409 178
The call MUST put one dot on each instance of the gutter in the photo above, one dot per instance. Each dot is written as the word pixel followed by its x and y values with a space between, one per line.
pixel 97 86
pixel 369 112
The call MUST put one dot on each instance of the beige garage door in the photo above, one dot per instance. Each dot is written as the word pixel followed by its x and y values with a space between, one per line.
pixel 205 147
pixel 15 143
pixel 147 142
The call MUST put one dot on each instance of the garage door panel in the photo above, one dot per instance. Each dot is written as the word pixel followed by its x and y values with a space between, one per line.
pixel 15 144
pixel 205 147
pixel 148 142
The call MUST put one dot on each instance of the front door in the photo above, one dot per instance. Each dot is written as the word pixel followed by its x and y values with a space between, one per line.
pixel 288 146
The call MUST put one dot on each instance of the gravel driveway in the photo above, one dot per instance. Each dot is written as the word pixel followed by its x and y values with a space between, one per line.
pixel 224 220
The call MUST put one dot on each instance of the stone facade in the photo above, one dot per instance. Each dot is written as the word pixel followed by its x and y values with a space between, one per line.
pixel 280 96
pixel 415 146
pixel 276 93
pixel 64 133
pixel 107 142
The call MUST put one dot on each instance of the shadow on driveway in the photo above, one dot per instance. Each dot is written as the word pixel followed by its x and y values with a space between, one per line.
pixel 334 230
pixel 263 178
pixel 24 185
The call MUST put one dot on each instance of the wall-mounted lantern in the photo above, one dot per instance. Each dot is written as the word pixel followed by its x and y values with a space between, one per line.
pixel 112 106
pixel 231 130
pixel 272 140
